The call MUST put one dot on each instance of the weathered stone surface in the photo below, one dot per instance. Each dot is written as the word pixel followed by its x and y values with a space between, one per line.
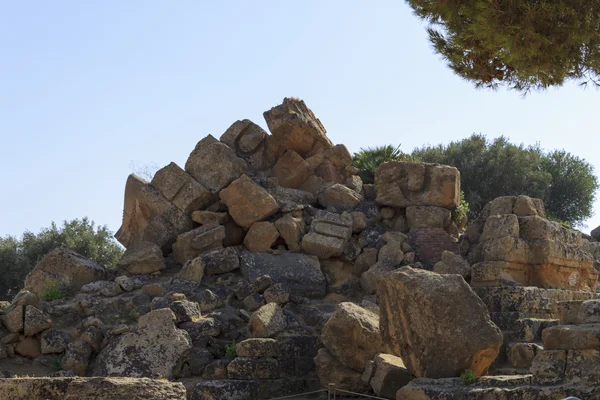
pixel 596 233
pixel 292 230
pixel 149 216
pixel 352 335
pixel 76 357
pixel 90 389
pixel 134 354
pixel 403 184
pixel 247 202
pixel 13 318
pixel 277 293
pixel 201 329
pixel 295 127
pixel 291 170
pixel 452 264
pixel 224 389
pixel 330 370
pixel 257 347
pixel 185 311
pixel 549 366
pixel 329 235
pixel 193 270
pixel 204 217
pixel 261 236
pixel 250 368
pixel 521 355
pixel 181 189
pixel 30 348
pixel 251 143
pixel 142 258
pixel 93 337
pixel 427 217
pixel 433 340
pixel 54 341
pixel 589 312
pixel 498 226
pixel 65 268
pixel 102 288
pixel 572 337
pixel 340 276
pixel 253 302
pixel 300 273
pixel 36 321
pixel 390 375
pixel 339 197
pixel 220 261
pixel 214 165
pixel 266 321
pixel 191 244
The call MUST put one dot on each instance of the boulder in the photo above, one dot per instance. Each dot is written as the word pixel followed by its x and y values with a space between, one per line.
pixel 427 217
pixel 77 357
pixel 295 127
pixel 191 244
pixel 251 143
pixel 201 329
pixel 251 368
pixel 54 341
pixel 291 170
pixel 149 216
pixel 133 354
pixel 142 258
pixel 102 288
pixel 185 311
pixel 339 197
pixel 352 335
pixel 452 263
pixel 572 337
pixel 436 341
pixel 181 189
pixel 247 202
pixel 214 165
pixel 403 184
pixel 204 217
pixel 65 269
pixel 257 347
pixel 390 375
pixel 328 236
pixel 300 273
pixel 291 229
pixel 290 200
pixel 267 321
pixel 220 261
pixel 330 370
pixel 224 389
pixel 36 321
pixel 261 236
pixel 277 293
pixel 30 348
pixel 193 270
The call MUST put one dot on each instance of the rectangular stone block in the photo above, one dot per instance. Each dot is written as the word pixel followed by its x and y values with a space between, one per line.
pixel 181 189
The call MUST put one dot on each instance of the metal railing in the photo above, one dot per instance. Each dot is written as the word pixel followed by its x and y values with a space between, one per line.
pixel 332 392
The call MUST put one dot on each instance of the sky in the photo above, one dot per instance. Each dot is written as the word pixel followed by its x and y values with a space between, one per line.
pixel 89 90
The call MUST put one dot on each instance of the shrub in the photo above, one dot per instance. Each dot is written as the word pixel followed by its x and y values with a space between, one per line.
pixel 52 292
pixel 367 161
pixel 230 351
pixel 468 377
pixel 460 214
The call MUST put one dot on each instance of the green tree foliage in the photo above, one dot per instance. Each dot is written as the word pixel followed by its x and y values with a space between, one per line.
pixel 368 160
pixel 522 44
pixel 19 256
pixel 488 170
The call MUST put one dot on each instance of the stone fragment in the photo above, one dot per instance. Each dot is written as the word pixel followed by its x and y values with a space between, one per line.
pixel 261 236
pixel 191 244
pixel 65 269
pixel 185 311
pixel 589 312
pixel 452 264
pixel 427 217
pixel 93 337
pixel 257 347
pixel 13 318
pixel 267 321
pixel 291 170
pixel 181 189
pixel 102 288
pixel 253 302
pixel 199 359
pixel 223 388
pixel 126 283
pixel 352 335
pixel 251 143
pixel 214 165
pixel 204 217
pixel 134 354
pixel 36 321
pixel 572 337
pixel 76 357
pixel 365 260
pixel 54 341
pixel 142 258
pixel 402 184
pixel 339 197
pixel 207 300
pixel 277 293
pixel 193 270
pixel 247 202
pixel 521 355
pixel 355 183
pixel 153 290
pixel 201 329
pixel 295 127
pixel 220 261
pixel 30 348
pixel 292 230
pixel 328 236
pixel 359 221
pixel 340 276
pixel 595 233
pixel 149 216
pixel 300 273
pixel 524 206
pixel 390 375
pixel 549 366
pixel 330 370
pixel 251 368
pixel 434 341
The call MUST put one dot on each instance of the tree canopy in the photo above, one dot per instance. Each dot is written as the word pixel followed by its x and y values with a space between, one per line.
pixel 521 44
pixel 490 169
pixel 19 256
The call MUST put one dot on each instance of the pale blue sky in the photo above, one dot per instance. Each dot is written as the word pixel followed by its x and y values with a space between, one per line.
pixel 87 88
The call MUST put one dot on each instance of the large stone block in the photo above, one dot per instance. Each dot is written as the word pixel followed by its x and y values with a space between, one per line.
pixel 339 197
pixel 572 337
pixel 390 375
pixel 291 170
pixel 427 217
pixel 433 340
pixel 191 244
pixel 251 143
pixel 330 370
pixel 214 165
pixel 149 216
pixel 267 321
pixel 181 189
pixel 251 368
pixel 142 258
pixel 498 226
pixel 65 268
pixel 300 273
pixel 403 184
pixel 248 202
pixel 329 235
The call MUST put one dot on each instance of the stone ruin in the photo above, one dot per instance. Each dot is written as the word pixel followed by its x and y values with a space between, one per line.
pixel 265 267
